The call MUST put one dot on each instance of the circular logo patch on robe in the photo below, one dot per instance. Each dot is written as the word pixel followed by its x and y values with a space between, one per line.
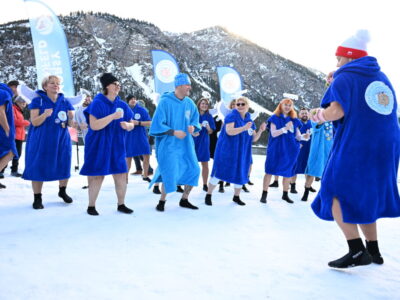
pixel 121 110
pixel 137 116
pixel 205 123
pixel 250 131
pixel 62 115
pixel 379 97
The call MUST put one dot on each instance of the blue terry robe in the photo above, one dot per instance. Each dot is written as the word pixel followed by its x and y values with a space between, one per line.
pixel 177 161
pixel 232 156
pixel 282 151
pixel 105 149
pixel 48 146
pixel 321 144
pixel 302 159
pixel 202 142
pixel 362 167
pixel 137 141
pixel 7 143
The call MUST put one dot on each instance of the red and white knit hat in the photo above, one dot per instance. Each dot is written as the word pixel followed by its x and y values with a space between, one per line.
pixel 355 46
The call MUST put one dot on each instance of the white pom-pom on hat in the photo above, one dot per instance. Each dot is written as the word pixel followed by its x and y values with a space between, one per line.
pixel 355 46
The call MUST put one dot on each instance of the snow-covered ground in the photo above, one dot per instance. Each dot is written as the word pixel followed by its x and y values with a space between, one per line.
pixel 273 251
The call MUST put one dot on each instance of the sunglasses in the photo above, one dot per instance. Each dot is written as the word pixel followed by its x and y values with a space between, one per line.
pixel 240 104
pixel 116 84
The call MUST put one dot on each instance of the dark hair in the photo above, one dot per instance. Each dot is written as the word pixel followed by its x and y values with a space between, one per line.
pixel 304 108
pixel 130 96
pixel 13 83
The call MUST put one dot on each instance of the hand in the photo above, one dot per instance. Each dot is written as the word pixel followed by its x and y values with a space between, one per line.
pixel 289 126
pixel 247 126
pixel 190 129
pixel 263 127
pixel 135 122
pixel 284 130
pixel 83 126
pixel 180 134
pixel 329 78
pixel 317 115
pixel 117 115
pixel 305 137
pixel 127 125
pixel 48 112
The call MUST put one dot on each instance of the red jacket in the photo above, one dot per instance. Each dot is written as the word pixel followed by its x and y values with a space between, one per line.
pixel 20 123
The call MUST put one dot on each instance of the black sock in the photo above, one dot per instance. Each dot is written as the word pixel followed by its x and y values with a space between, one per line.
pixel 91 210
pixel 237 200
pixel 161 205
pixel 37 201
pixel 264 197
pixel 208 199
pixel 122 208
pixel 63 194
pixel 373 249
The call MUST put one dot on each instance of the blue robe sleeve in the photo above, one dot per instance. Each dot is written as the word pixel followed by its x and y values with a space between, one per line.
pixel 70 107
pixel 159 124
pixel 128 114
pixel 339 92
pixel 36 103
pixel 145 115
pixel 211 122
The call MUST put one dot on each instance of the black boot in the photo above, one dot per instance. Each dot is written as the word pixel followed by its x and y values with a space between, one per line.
pixel 208 199
pixel 148 179
pixel 156 190
pixel 293 188
pixel 357 256
pixel 244 188
pixel 122 208
pixel 373 249
pixel 160 206
pixel 205 188
pixel 312 190
pixel 37 202
pixel 237 200
pixel 274 184
pixel 63 194
pixel 285 197
pixel 91 210
pixel 305 195
pixel 186 204
pixel 227 184
pixel 179 189
pixel 264 197
pixel 221 187
pixel 250 183
pixel 2 186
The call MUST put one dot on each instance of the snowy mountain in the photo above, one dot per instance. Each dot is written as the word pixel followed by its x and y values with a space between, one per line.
pixel 102 42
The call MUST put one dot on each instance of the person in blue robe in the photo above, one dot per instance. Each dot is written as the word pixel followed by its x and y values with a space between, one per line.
pixel 283 147
pixel 321 144
pixel 137 141
pixel 48 145
pixel 359 183
pixel 232 158
pixel 109 119
pixel 175 119
pixel 302 158
pixel 8 148
pixel 202 138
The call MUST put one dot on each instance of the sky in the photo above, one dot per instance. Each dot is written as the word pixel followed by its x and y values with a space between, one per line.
pixel 306 32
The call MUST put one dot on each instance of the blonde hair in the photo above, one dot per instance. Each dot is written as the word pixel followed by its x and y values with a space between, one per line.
pixel 47 79
pixel 278 111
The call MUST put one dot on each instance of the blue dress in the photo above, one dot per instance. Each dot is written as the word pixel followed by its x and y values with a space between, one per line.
pixel 48 146
pixel 361 171
pixel 105 149
pixel 302 159
pixel 137 141
pixel 283 150
pixel 177 161
pixel 202 142
pixel 7 143
pixel 321 144
pixel 232 156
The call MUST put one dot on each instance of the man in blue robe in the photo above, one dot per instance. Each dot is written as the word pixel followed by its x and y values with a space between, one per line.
pixel 174 120
pixel 359 183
